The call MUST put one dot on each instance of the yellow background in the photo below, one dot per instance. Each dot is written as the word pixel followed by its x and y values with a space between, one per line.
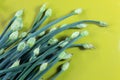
pixel 101 63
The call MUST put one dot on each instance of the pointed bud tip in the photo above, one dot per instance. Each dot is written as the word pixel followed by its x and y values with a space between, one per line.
pixel 31 41
pixel 13 35
pixel 78 11
pixel 36 51
pixel 43 7
pixel 103 24
pixel 19 13
pixel 88 46
pixel 48 12
pixel 21 46
pixel 43 66
pixel 75 34
pixel 84 33
pixel 65 66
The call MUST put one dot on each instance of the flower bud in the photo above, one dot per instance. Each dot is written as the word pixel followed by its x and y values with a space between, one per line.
pixel 52 41
pixel 13 36
pixel 43 66
pixel 16 63
pixel 65 66
pixel 19 13
pixel 52 29
pixel 78 11
pixel 103 24
pixel 41 34
pixel 23 34
pixel 74 35
pixel 42 9
pixel 31 41
pixel 63 43
pixel 36 51
pixel 17 24
pixel 84 33
pixel 88 46
pixel 48 12
pixel 21 46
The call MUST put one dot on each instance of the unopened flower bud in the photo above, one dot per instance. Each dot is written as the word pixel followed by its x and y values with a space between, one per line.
pixel 65 66
pixel 31 41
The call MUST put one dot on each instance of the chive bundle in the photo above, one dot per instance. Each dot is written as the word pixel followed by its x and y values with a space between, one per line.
pixel 29 55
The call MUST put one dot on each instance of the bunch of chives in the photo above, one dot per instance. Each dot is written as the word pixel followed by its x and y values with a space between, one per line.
pixel 29 55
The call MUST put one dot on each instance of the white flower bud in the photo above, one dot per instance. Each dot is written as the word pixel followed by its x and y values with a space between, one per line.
pixel 1 51
pixel 21 46
pixel 19 13
pixel 16 63
pixel 63 43
pixel 74 35
pixel 43 66
pixel 65 66
pixel 67 56
pixel 42 9
pixel 33 57
pixel 23 34
pixel 31 41
pixel 61 56
pixel 48 12
pixel 63 25
pixel 82 25
pixel 103 24
pixel 17 24
pixel 52 41
pixel 36 51
pixel 13 36
pixel 52 29
pixel 41 34
pixel 88 46
pixel 84 33
pixel 78 11
pixel 64 55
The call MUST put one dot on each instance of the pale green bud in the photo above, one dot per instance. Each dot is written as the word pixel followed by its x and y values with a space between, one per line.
pixel 31 41
pixel 13 35
pixel 64 55
pixel 67 56
pixel 23 34
pixel 48 12
pixel 19 13
pixel 65 66
pixel 36 51
pixel 74 35
pixel 16 63
pixel 88 46
pixel 78 11
pixel 42 9
pixel 21 46
pixel 63 25
pixel 17 24
pixel 33 57
pixel 43 66
pixel 52 41
pixel 84 33
pixel 52 29
pixel 61 56
pixel 42 33
pixel 103 24
pixel 63 43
